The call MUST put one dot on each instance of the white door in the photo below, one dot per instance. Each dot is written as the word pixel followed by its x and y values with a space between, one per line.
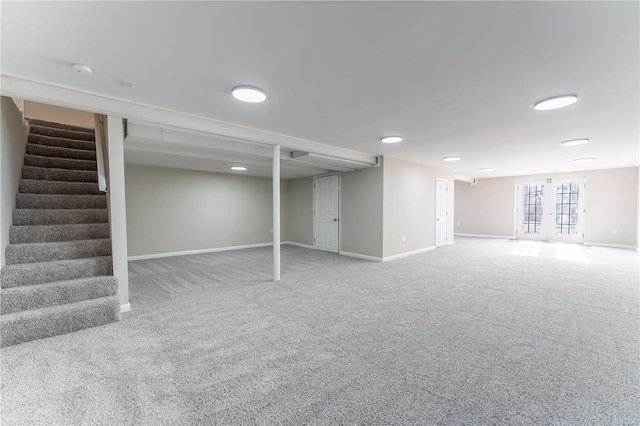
pixel 532 212
pixel 552 210
pixel 326 213
pixel 442 186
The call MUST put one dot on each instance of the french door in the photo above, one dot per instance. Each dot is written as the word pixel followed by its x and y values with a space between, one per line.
pixel 551 210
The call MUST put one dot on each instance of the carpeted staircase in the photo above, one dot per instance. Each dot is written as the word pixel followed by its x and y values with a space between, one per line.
pixel 58 274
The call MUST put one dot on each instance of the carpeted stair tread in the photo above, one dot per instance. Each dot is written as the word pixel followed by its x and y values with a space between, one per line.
pixel 43 123
pixel 61 133
pixel 61 142
pixel 60 201
pixel 25 274
pixel 25 326
pixel 40 296
pixel 64 175
pixel 45 252
pixel 58 273
pixel 59 216
pixel 59 163
pixel 54 233
pixel 32 186
pixel 60 152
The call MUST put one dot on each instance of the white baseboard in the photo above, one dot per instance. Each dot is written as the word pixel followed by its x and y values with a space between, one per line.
pixel 409 253
pixel 502 237
pixel 188 252
pixel 298 244
pixel 625 246
pixel 125 308
pixel 361 256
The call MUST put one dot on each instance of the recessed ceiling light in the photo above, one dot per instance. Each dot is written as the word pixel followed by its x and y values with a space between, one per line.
pixel 451 158
pixel 555 102
pixel 81 69
pixel 391 139
pixel 583 160
pixel 249 94
pixel 486 169
pixel 573 142
pixel 238 168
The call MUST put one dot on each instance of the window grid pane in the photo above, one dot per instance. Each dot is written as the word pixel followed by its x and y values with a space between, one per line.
pixel 567 208
pixel 532 208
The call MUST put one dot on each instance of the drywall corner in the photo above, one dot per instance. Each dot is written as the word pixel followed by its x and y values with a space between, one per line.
pixel 13 141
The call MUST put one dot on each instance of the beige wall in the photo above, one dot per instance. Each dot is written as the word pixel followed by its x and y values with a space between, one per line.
pixel 299 210
pixel 409 206
pixel 362 212
pixel 58 114
pixel 488 208
pixel 173 210
pixel 13 140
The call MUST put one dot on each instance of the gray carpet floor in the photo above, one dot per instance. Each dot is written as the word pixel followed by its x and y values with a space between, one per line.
pixel 481 332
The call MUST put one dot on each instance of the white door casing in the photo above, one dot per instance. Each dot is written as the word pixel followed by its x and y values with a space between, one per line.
pixel 442 187
pixel 326 225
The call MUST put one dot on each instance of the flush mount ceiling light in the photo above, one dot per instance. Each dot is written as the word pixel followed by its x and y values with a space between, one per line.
pixel 574 142
pixel 238 168
pixel 81 69
pixel 583 160
pixel 451 158
pixel 486 169
pixel 555 102
pixel 391 139
pixel 249 94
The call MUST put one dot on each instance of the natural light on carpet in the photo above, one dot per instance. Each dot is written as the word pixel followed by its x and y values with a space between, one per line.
pixel 526 248
pixel 570 252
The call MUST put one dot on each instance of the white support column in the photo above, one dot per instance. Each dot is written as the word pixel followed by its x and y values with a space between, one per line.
pixel 276 212
pixel 117 208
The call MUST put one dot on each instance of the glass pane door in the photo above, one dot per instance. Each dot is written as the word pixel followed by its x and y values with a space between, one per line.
pixel 551 210
pixel 532 210
pixel 568 210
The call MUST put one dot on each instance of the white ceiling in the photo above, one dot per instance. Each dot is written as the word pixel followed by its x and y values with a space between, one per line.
pixel 453 78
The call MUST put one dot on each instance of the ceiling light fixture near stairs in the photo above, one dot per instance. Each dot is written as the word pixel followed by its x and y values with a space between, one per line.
pixel 249 94
pixel 391 139
pixel 81 69
pixel 555 102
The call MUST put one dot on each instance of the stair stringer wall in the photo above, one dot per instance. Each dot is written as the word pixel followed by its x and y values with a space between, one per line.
pixel 13 142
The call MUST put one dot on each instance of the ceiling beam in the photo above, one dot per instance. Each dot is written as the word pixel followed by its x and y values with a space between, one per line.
pixel 30 90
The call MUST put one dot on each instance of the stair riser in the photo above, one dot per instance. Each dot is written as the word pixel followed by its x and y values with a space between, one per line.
pixel 55 151
pixel 32 325
pixel 48 272
pixel 61 142
pixel 59 163
pixel 39 201
pixel 57 217
pixel 57 233
pixel 60 175
pixel 43 123
pixel 54 294
pixel 60 133
pixel 52 187
pixel 47 252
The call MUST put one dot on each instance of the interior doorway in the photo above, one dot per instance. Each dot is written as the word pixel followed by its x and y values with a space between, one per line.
pixel 442 187
pixel 326 213
pixel 551 210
